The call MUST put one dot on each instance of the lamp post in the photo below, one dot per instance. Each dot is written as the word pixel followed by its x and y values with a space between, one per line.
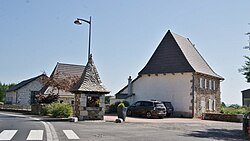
pixel 78 21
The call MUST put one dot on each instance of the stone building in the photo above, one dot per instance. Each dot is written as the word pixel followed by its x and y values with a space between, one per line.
pixel 176 72
pixel 89 94
pixel 24 92
pixel 246 97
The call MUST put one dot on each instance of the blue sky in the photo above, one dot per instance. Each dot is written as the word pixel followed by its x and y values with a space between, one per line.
pixel 35 35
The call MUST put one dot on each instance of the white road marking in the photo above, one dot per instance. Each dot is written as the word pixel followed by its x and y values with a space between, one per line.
pixel 70 134
pixel 35 135
pixel 7 134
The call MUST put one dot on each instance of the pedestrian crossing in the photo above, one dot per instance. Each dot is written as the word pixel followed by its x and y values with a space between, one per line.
pixel 33 135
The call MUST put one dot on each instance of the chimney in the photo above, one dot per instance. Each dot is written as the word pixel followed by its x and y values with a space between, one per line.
pixel 130 86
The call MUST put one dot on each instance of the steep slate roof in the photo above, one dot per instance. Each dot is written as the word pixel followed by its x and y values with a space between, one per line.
pixel 24 83
pixel 63 70
pixel 176 54
pixel 90 81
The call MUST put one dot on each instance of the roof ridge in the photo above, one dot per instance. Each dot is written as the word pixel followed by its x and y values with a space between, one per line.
pixel 70 64
pixel 24 82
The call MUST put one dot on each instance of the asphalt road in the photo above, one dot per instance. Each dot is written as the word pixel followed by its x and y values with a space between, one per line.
pixel 21 128
pixel 17 127
pixel 110 131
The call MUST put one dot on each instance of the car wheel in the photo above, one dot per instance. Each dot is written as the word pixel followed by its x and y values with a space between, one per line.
pixel 129 113
pixel 148 115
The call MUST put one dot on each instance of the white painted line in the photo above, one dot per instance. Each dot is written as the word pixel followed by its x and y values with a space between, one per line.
pixel 53 132
pixel 7 134
pixel 70 134
pixel 35 135
pixel 50 131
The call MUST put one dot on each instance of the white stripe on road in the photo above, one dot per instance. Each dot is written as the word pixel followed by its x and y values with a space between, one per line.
pixel 7 134
pixel 35 135
pixel 70 134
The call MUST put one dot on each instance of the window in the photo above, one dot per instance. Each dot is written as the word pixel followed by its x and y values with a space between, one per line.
pixel 214 105
pixel 210 84
pixel 201 83
pixel 210 104
pixel 205 83
pixel 138 104
pixel 93 101
pixel 214 85
pixel 147 104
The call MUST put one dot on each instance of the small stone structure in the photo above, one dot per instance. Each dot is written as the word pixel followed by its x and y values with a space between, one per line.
pixel 89 94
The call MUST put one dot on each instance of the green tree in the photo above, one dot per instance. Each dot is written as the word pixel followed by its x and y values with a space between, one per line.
pixel 3 88
pixel 245 70
pixel 223 104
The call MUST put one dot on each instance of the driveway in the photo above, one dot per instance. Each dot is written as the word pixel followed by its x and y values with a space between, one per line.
pixel 186 129
pixel 112 118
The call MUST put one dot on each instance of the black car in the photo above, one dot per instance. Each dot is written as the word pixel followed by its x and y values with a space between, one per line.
pixel 169 108
pixel 147 108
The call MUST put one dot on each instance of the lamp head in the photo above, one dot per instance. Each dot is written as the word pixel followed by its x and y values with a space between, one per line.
pixel 78 22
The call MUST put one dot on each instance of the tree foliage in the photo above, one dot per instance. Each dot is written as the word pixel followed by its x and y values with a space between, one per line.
pixel 3 88
pixel 58 82
pixel 245 70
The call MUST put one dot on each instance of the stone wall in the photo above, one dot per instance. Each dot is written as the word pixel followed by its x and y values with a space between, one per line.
pixel 89 113
pixel 205 94
pixel 223 117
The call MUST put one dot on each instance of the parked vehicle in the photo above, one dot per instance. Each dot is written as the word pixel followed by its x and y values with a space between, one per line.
pixel 147 108
pixel 169 108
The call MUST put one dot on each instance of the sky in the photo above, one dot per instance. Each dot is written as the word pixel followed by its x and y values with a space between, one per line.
pixel 35 35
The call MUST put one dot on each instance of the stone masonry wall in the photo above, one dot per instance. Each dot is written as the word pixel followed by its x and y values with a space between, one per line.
pixel 24 93
pixel 204 93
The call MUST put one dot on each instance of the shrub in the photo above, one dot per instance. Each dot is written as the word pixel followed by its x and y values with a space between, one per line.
pixel 234 110
pixel 62 110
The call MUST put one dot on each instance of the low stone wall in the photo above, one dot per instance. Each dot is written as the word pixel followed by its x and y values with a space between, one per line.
pixel 223 117
pixel 15 107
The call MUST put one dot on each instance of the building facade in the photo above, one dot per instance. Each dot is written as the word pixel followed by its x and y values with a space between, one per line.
pixel 176 72
pixel 24 92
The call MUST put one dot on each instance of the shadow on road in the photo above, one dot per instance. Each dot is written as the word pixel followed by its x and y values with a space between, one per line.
pixel 219 134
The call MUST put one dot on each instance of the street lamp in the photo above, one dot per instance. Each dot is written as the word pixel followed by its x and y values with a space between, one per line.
pixel 78 21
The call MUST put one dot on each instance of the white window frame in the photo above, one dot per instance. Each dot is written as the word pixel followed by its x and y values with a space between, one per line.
pixel 201 80
pixel 214 85
pixel 214 104
pixel 210 104
pixel 210 84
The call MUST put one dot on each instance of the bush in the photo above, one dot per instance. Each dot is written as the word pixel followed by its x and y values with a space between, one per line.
pixel 235 110
pixel 62 110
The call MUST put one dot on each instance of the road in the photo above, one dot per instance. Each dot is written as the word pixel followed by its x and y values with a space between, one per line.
pixel 18 127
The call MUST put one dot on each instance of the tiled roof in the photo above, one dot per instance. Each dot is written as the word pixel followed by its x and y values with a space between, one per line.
pixel 90 81
pixel 176 54
pixel 24 83
pixel 63 70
